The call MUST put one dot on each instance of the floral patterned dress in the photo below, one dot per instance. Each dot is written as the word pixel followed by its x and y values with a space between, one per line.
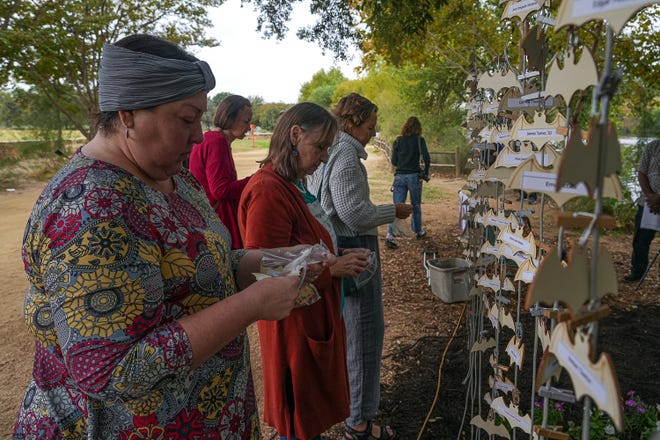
pixel 112 264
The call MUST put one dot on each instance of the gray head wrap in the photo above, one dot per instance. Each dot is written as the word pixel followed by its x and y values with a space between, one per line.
pixel 130 80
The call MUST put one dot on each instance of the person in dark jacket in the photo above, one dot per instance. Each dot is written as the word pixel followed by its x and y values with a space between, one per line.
pixel 408 151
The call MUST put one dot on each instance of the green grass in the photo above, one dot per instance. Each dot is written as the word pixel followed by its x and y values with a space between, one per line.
pixel 240 145
pixel 10 134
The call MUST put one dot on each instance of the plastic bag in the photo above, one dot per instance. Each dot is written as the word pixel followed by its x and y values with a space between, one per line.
pixel 295 264
pixel 363 277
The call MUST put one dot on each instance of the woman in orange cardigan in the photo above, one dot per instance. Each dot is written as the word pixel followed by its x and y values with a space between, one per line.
pixel 303 355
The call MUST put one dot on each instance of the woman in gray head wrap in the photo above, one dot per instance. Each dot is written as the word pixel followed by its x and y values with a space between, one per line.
pixel 133 299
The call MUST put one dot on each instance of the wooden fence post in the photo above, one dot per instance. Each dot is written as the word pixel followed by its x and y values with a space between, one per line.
pixel 457 162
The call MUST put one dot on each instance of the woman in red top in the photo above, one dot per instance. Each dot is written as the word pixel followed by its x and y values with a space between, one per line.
pixel 212 164
pixel 304 355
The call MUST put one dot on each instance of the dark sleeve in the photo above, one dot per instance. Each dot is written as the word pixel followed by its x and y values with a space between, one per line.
pixel 395 152
pixel 426 156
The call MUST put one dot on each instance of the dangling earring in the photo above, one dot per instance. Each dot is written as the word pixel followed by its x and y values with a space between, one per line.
pixel 295 150
pixel 126 132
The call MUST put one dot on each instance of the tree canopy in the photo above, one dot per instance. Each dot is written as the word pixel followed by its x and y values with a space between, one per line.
pixel 449 39
pixel 54 46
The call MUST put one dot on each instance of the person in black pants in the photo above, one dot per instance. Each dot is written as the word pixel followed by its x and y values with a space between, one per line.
pixel 648 175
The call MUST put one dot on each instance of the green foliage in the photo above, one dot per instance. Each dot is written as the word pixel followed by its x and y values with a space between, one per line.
pixel 555 413
pixel 321 87
pixel 54 47
pixel 265 116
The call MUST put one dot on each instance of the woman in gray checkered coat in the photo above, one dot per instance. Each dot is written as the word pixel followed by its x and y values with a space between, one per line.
pixel 342 187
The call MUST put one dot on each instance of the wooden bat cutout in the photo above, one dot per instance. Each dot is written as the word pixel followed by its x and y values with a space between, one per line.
pixel 476 176
pixel 535 48
pixel 549 368
pixel 617 13
pixel 510 95
pixel 572 169
pixel 597 379
pixel 490 107
pixel 490 249
pixel 570 285
pixel 532 170
pixel 573 77
pixel 499 220
pixel 498 81
pixel 502 384
pixel 539 131
pixel 512 414
pixel 526 271
pixel 500 134
pixel 521 9
pixel 498 315
pixel 484 134
pixel 483 345
pixel 490 427
pixel 516 351
pixel 493 283
pixel 512 254
pixel 518 241
pixel 542 333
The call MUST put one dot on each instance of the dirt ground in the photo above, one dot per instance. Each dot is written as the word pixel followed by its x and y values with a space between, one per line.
pixel 419 398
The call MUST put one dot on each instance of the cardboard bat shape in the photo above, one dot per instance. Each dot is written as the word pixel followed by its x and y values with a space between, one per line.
pixel 508 160
pixel 509 252
pixel 498 315
pixel 499 80
pixel 573 77
pixel 511 412
pixel 526 271
pixel 571 285
pixel 483 345
pixel 493 283
pixel 543 333
pixel 572 169
pixel 597 380
pixel 490 427
pixel 530 175
pixel 539 130
pixel 535 48
pixel 516 351
pixel 518 241
pixel 498 220
pixel 499 134
pixel 502 384
pixel 617 13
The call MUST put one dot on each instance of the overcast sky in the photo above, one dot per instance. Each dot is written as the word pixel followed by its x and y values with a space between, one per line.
pixel 248 65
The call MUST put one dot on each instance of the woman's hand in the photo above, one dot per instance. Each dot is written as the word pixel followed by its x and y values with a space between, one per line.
pixel 351 263
pixel 276 296
pixel 403 210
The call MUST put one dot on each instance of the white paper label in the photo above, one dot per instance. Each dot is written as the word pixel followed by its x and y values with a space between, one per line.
pixel 589 7
pixel 546 182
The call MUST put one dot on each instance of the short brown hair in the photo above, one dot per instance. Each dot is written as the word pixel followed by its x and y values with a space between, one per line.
pixel 308 116
pixel 227 111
